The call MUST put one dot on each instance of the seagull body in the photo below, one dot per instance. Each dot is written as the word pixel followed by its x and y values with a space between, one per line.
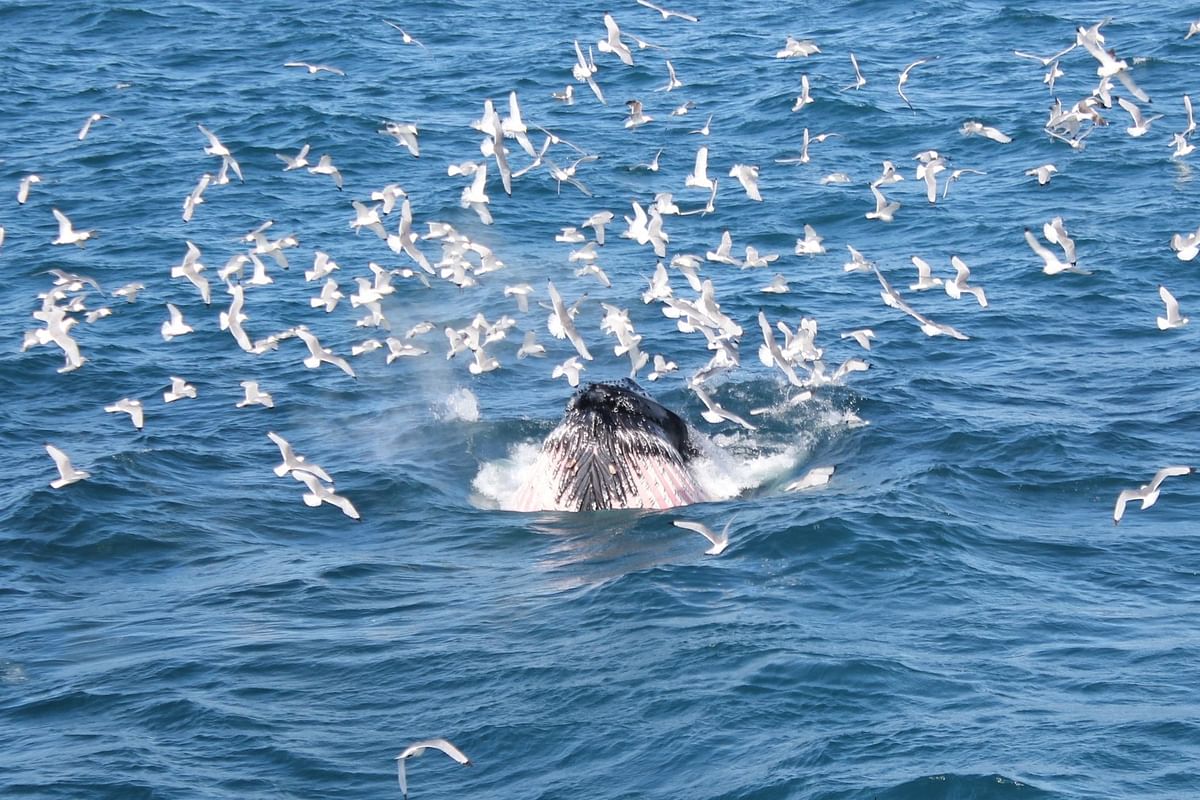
pixel 318 355
pixel 179 390
pixel 958 287
pixel 613 44
pixel 1141 125
pixel 1056 232
pixel 863 336
pixel 294 463
pixel 1052 265
pixel 404 35
pixel 295 162
pixel 417 748
pixel 319 493
pixel 1042 173
pixel 667 13
pixel 794 48
pixel 174 326
pixel 66 233
pixel 1172 320
pixel 810 245
pixel 313 69
pixel 719 541
pixel 254 396
pixel 976 128
pixel 1147 493
pixel 747 176
pixel 817 476
pixel 67 474
pixel 216 148
pixel 87 125
pixel 884 211
pixel 904 79
pixel 562 326
pixel 636 118
pixel 859 80
pixel 570 370
pixel 925 279
pixel 1186 245
pixel 196 197
pixel 131 407
pixel 325 167
pixel 24 186
pixel 405 134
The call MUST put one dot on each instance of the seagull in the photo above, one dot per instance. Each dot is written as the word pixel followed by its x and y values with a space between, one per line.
pixel 976 128
pixel 1147 493
pixel 255 396
pixel 719 541
pixel 400 349
pixel 216 148
pixel 530 346
pixel 1048 60
pixel 569 369
pixel 904 79
pixel 747 176
pixel 1042 173
pixel 613 44
pixel 714 413
pixel 320 493
pixel 793 48
pixel 1056 232
pixel 417 748
pixel 698 178
pixel 131 407
pixel 67 234
pixel 661 367
pixel 325 167
pixel 1186 246
pixel 805 98
pixel 863 336
pixel 129 291
pixel 1182 146
pixel 667 13
pixel 859 80
pixel 1191 126
pixel 294 463
pixel 313 69
pixel 87 125
pixel 583 69
pixel 295 162
pixel 1053 73
pixel 26 182
pixel 778 285
pixel 318 355
pixel 1052 264
pixel 561 324
pixel 1193 29
pixel 597 222
pixel 179 390
pixel 405 134
pixel 884 211
pixel 636 117
pixel 1172 320
pixel 175 326
pixel 810 245
pixel 67 474
pixel 705 129
pixel 1141 125
pixel 673 82
pixel 957 287
pixel 925 279
pixel 196 197
pixel 404 35
pixel 191 268
pixel 367 217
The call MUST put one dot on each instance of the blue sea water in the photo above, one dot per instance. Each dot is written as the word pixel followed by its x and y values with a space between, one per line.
pixel 953 615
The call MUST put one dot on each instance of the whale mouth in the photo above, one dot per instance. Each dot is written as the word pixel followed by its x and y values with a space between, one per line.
pixel 616 447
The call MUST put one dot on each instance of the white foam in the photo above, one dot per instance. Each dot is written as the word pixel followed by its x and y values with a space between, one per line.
pixel 460 405
pixel 498 481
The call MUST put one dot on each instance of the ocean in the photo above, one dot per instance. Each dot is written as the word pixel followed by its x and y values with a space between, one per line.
pixel 952 615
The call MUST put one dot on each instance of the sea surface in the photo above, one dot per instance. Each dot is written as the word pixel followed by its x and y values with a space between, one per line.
pixel 953 615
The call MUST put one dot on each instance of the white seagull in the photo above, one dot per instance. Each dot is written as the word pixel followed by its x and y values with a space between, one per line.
pixel 66 233
pixel 417 748
pixel 67 474
pixel 131 407
pixel 719 541
pixel 1172 320
pixel 179 390
pixel 1147 493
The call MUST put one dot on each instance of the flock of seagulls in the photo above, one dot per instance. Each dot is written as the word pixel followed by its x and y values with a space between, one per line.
pixel 510 153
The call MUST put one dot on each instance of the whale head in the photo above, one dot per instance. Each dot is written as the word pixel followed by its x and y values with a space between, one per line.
pixel 616 447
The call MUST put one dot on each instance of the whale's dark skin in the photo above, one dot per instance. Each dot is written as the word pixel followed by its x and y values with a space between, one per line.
pixel 616 447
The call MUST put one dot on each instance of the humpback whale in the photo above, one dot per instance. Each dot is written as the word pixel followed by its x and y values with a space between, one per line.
pixel 616 447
